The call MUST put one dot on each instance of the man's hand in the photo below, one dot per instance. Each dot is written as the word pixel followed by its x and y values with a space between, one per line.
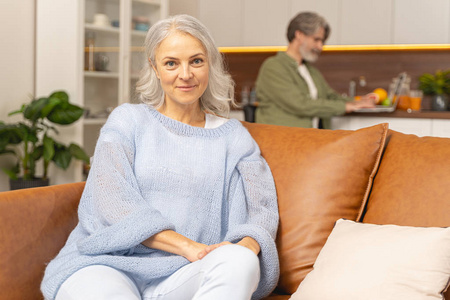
pixel 367 101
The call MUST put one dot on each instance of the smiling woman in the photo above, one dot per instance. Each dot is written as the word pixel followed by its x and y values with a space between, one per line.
pixel 219 93
pixel 181 66
pixel 176 193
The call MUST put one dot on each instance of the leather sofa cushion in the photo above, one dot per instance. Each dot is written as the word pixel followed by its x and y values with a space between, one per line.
pixel 34 226
pixel 414 172
pixel 320 176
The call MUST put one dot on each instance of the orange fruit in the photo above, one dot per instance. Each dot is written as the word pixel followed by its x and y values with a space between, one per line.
pixel 382 94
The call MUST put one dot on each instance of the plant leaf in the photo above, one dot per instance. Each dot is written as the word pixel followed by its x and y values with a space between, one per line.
pixel 49 148
pixel 21 110
pixel 61 95
pixel 34 109
pixel 11 172
pixel 78 153
pixel 36 154
pixel 65 114
pixel 62 156
pixel 52 103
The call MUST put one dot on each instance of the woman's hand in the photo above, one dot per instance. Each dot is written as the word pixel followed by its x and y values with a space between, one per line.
pixel 173 242
pixel 246 242
pixel 194 251
pixel 210 248
pixel 251 244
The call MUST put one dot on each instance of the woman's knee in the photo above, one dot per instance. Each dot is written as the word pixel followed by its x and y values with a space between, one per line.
pixel 239 259
pixel 98 282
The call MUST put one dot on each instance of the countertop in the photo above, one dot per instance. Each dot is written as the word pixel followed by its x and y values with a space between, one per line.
pixel 424 114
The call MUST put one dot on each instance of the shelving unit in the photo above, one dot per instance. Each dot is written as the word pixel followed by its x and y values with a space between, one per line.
pixel 103 90
pixel 61 27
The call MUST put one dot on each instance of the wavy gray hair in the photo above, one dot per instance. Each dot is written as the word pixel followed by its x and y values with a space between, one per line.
pixel 308 23
pixel 219 94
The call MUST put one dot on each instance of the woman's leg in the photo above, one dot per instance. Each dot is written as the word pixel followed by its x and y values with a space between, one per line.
pixel 228 272
pixel 98 283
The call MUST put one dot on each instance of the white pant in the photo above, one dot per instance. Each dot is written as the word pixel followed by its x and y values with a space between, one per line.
pixel 228 272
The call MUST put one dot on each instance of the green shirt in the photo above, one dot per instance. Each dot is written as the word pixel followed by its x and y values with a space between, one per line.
pixel 284 97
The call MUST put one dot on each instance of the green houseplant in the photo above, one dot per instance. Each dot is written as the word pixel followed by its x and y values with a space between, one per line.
pixel 438 86
pixel 30 140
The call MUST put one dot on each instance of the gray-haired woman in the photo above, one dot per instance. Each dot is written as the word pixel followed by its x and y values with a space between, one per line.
pixel 179 203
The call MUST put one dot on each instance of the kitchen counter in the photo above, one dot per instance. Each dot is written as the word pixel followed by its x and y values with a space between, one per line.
pixel 423 123
pixel 424 114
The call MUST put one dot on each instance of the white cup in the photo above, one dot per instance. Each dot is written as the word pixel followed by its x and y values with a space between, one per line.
pixel 101 20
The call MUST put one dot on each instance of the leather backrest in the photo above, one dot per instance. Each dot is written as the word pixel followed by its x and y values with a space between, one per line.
pixel 412 186
pixel 320 176
pixel 34 226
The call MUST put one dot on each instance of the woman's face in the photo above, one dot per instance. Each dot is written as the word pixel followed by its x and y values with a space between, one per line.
pixel 182 67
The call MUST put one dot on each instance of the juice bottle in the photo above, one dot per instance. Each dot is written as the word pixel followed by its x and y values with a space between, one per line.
pixel 403 97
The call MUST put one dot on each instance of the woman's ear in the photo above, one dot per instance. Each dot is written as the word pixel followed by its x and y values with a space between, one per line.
pixel 154 68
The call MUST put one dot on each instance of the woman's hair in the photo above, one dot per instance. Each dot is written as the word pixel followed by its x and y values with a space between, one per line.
pixel 219 93
pixel 308 23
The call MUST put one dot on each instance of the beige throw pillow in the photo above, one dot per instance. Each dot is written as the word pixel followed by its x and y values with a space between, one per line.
pixel 374 262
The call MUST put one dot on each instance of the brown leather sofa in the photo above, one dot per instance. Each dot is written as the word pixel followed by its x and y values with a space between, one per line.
pixel 372 175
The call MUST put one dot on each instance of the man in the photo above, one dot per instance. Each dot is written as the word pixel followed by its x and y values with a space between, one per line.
pixel 290 91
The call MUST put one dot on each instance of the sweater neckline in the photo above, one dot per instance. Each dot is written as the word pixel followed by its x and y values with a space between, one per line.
pixel 188 130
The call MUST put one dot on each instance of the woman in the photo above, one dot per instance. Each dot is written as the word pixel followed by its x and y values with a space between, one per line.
pixel 179 203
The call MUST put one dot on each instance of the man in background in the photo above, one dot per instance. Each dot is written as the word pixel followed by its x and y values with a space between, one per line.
pixel 290 91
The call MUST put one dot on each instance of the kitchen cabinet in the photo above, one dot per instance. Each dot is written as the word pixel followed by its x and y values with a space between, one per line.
pixel 330 10
pixel 441 128
pixel 421 21
pixel 63 28
pixel 365 22
pixel 417 126
pixel 256 30
pixel 224 20
pixel 264 22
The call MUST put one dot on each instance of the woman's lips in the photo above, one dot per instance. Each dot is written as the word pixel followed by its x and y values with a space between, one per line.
pixel 186 88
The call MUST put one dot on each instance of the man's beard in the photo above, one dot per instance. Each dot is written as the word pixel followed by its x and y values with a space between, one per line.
pixel 309 55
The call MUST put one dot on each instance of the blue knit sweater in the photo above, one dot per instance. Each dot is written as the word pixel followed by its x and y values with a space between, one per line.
pixel 152 173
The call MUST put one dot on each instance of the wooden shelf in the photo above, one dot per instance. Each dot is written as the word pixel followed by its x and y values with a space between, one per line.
pixel 100 74
pixel 151 2
pixel 106 29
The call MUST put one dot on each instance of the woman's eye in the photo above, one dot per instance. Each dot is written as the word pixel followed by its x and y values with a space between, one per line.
pixel 170 64
pixel 197 61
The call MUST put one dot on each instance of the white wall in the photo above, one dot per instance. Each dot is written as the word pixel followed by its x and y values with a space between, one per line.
pixel 16 61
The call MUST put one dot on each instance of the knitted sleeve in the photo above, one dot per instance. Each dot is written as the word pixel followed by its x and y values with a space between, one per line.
pixel 254 213
pixel 112 210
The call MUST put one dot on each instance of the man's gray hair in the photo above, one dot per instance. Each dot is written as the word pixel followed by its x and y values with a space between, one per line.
pixel 220 91
pixel 308 23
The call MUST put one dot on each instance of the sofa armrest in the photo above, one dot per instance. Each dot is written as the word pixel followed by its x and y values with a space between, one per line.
pixel 34 226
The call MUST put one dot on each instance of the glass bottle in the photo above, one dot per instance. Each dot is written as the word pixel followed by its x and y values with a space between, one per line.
pixel 89 64
pixel 403 96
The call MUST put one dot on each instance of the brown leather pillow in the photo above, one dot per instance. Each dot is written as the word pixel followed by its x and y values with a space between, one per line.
pixel 320 176
pixel 412 184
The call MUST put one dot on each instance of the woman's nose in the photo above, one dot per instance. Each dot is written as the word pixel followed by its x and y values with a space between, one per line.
pixel 185 72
